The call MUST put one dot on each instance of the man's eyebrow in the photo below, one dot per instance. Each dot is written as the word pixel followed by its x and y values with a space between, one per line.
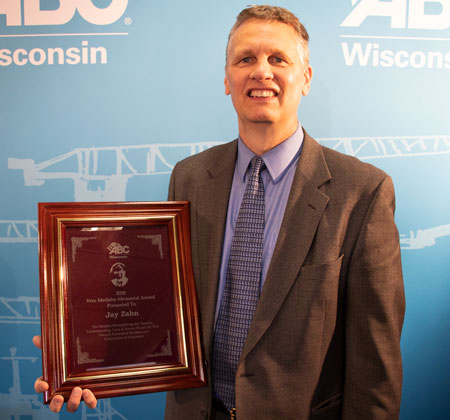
pixel 247 51
pixel 279 52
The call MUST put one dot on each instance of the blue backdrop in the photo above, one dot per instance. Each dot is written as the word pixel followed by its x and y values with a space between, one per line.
pixel 99 99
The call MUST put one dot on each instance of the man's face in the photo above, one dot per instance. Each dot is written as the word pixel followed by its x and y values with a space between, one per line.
pixel 119 271
pixel 265 75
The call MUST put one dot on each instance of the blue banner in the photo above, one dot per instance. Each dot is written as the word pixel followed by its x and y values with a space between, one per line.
pixel 100 99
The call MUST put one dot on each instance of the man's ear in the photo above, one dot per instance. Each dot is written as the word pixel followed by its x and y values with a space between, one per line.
pixel 308 73
pixel 227 86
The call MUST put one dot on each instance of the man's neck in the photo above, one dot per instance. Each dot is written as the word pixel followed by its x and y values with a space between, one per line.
pixel 261 137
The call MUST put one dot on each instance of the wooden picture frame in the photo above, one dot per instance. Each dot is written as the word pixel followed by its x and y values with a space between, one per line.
pixel 119 311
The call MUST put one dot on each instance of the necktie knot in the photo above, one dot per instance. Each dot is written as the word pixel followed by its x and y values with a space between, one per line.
pixel 257 165
pixel 254 183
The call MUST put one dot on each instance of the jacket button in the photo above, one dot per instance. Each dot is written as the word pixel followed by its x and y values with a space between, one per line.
pixel 204 415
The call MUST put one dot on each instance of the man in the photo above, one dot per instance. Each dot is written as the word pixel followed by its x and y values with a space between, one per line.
pixel 324 336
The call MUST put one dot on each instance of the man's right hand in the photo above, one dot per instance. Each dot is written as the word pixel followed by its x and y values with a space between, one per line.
pixel 57 401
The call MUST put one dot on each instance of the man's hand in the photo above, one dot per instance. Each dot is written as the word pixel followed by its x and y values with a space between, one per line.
pixel 57 401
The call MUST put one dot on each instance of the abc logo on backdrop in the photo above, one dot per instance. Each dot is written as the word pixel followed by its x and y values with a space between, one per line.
pixel 33 15
pixel 411 14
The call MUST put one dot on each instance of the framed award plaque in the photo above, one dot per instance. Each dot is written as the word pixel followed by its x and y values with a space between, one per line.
pixel 118 302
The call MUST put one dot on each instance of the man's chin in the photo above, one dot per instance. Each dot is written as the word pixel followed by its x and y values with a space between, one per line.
pixel 261 119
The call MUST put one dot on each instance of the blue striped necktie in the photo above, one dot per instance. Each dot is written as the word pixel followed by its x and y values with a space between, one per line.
pixel 242 286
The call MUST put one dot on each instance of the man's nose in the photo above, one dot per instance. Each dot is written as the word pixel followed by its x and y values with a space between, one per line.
pixel 262 71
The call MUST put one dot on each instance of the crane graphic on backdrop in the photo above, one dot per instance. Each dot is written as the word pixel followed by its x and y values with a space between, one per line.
pixel 368 148
pixel 102 173
pixel 25 310
pixel 20 310
pixel 18 231
pixel 18 405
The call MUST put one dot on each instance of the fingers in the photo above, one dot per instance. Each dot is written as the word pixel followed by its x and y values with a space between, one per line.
pixel 37 341
pixel 89 398
pixel 58 400
pixel 56 403
pixel 40 385
pixel 74 400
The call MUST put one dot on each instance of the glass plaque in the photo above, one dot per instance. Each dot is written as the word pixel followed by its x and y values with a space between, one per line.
pixel 118 302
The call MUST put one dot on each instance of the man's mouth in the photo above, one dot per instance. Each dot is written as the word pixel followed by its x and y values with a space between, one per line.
pixel 262 93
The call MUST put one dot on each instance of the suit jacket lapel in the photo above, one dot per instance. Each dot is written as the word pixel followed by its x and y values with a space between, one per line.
pixel 212 199
pixel 304 209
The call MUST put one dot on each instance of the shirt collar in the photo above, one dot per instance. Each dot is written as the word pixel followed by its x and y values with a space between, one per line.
pixel 277 160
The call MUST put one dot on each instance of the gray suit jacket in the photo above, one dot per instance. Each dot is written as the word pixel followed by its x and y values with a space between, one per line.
pixel 325 339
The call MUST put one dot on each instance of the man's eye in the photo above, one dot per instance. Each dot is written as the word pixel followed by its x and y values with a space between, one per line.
pixel 246 60
pixel 277 60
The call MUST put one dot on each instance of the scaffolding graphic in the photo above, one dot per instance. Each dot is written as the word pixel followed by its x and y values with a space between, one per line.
pixel 102 173
pixel 17 405
pixel 23 231
pixel 366 148
pixel 423 237
pixel 20 310
pixel 103 411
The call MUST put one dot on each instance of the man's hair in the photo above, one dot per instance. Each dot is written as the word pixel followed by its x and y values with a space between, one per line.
pixel 278 14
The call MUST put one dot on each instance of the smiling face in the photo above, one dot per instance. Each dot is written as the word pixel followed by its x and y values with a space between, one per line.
pixel 266 75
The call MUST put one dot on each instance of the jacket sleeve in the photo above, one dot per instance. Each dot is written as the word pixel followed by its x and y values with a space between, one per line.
pixel 374 312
